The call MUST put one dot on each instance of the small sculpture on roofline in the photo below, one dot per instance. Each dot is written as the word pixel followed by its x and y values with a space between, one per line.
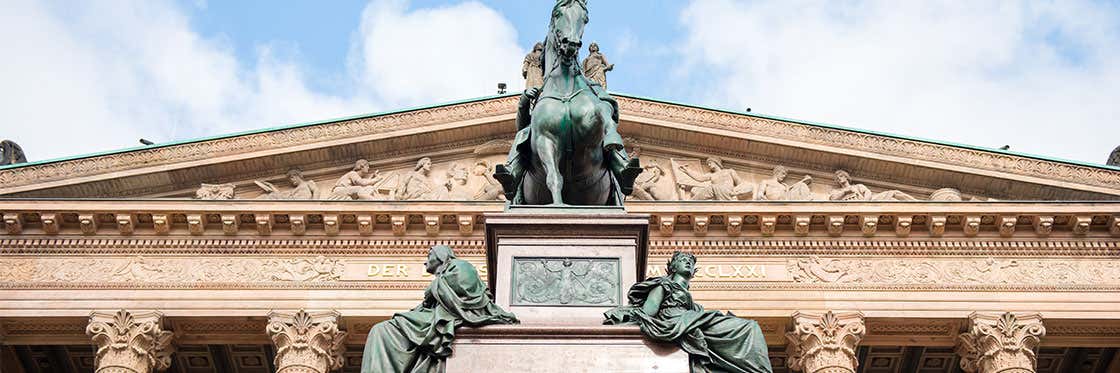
pixel 11 153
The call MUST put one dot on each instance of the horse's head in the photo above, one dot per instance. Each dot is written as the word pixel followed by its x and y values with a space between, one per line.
pixel 568 20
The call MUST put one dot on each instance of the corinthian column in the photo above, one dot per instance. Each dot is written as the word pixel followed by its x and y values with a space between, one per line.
pixel 998 343
pixel 130 342
pixel 306 342
pixel 825 343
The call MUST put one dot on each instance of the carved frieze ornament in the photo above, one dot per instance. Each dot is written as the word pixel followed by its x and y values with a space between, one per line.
pixel 215 191
pixel 129 342
pixel 1000 343
pixel 847 191
pixel 825 343
pixel 306 342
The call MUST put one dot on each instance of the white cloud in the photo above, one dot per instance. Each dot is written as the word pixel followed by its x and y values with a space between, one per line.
pixel 438 54
pixel 79 77
pixel 1039 76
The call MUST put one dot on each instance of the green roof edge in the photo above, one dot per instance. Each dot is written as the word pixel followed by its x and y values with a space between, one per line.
pixel 252 132
pixel 484 98
pixel 870 132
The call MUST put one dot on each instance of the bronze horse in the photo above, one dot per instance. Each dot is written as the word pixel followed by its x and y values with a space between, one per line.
pixel 576 154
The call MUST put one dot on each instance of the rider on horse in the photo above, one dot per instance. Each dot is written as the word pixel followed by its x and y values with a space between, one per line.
pixel 562 48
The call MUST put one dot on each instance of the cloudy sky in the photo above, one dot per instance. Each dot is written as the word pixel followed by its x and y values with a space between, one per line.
pixel 87 76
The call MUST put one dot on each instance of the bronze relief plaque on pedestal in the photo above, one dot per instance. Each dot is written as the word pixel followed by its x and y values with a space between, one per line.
pixel 564 266
pixel 544 281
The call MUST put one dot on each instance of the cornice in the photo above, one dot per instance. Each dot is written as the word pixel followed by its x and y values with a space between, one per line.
pixel 12 179
pixel 847 140
pixel 916 222
pixel 143 161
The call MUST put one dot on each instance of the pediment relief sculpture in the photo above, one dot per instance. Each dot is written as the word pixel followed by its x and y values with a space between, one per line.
pixel 215 191
pixel 775 188
pixel 717 184
pixel 470 178
pixel 302 188
pixel 359 184
pixel 418 185
pixel 859 192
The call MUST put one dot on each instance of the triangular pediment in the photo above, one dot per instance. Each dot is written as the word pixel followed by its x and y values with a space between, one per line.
pixel 461 138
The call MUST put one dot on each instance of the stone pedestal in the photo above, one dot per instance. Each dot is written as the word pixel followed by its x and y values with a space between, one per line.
pixel 562 349
pixel 564 266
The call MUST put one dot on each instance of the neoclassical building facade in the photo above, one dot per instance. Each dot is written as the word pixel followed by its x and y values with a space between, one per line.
pixel 277 250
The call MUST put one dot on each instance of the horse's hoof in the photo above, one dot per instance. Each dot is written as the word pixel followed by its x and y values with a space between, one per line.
pixel 628 176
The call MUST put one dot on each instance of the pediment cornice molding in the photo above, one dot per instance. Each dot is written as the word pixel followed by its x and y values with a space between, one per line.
pixel 39 176
pixel 1097 179
pixel 132 170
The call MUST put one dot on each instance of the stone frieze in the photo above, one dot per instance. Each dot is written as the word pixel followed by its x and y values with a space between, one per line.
pixel 976 271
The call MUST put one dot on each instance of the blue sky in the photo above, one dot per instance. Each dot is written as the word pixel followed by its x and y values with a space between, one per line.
pixel 1040 76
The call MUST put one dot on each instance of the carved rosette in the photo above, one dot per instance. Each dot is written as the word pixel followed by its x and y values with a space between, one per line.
pixel 998 343
pixel 825 343
pixel 306 342
pixel 130 342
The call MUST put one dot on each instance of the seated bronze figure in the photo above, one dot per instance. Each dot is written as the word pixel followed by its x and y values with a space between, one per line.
pixel 715 342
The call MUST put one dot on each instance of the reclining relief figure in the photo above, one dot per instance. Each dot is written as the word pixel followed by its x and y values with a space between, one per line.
pixel 420 340
pixel 714 341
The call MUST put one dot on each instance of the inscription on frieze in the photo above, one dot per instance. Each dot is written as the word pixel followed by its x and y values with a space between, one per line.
pixel 732 271
pixel 397 269
pixel 566 281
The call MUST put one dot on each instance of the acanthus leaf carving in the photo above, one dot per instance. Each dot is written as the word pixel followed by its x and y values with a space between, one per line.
pixel 130 342
pixel 997 343
pixel 306 342
pixel 825 343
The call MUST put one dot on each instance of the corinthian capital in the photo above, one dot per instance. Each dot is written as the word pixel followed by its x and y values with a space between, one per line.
pixel 306 342
pixel 998 343
pixel 130 342
pixel 825 343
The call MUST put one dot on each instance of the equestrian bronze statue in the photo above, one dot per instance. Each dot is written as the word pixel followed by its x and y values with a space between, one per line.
pixel 567 150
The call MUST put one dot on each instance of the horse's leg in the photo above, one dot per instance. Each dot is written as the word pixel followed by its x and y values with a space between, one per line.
pixel 548 154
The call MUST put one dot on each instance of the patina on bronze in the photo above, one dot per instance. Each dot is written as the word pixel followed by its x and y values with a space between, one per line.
pixel 420 340
pixel 715 342
pixel 567 150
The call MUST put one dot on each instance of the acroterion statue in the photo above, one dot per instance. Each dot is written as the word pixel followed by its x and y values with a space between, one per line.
pixel 531 68
pixel 595 66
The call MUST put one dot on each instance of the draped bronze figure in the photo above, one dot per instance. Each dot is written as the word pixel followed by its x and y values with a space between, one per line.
pixel 715 342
